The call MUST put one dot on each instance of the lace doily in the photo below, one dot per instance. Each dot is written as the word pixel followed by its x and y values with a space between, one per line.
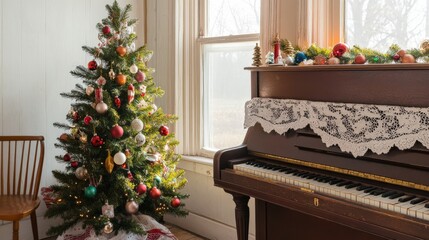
pixel 354 128
pixel 154 231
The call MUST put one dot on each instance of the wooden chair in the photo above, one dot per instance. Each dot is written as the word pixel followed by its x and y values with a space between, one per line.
pixel 21 162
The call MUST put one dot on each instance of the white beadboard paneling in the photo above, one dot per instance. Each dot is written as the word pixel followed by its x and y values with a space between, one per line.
pixel 12 68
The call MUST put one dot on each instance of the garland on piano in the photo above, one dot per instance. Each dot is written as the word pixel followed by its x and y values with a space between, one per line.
pixel 355 128
pixel 341 53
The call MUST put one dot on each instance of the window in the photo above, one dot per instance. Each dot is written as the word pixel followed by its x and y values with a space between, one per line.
pixel 379 24
pixel 229 31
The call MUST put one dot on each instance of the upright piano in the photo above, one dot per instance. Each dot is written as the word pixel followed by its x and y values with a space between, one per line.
pixel 305 190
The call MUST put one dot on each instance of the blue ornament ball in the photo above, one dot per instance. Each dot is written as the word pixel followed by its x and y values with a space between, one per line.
pixel 299 57
pixel 90 191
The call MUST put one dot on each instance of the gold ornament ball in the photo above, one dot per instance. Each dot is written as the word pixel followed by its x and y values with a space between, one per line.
pixel 108 228
pixel 424 46
pixel 81 173
pixel 320 60
pixel 121 50
pixel 333 61
pixel 401 53
pixel 408 58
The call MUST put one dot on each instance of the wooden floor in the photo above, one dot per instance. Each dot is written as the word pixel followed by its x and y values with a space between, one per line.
pixel 180 234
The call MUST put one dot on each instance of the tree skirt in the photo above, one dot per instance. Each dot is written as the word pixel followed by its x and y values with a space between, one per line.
pixel 154 230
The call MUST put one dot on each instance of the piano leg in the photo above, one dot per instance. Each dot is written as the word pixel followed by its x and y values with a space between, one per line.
pixel 241 215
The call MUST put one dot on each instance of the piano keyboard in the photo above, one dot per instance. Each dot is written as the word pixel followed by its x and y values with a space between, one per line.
pixel 390 200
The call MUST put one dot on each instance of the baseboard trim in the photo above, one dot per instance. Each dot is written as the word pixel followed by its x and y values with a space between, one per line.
pixel 205 227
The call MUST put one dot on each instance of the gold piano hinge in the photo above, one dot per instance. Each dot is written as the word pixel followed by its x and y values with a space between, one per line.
pixel 307 190
pixel 345 171
pixel 316 202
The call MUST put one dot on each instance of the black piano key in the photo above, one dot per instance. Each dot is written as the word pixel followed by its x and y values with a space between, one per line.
pixel 417 200
pixel 302 173
pixel 327 179
pixel 369 189
pixel 341 184
pixel 312 176
pixel 388 193
pixel 291 171
pixel 335 181
pixel 396 195
pixel 406 198
pixel 378 192
pixel 427 205
pixel 283 169
pixel 362 187
pixel 353 185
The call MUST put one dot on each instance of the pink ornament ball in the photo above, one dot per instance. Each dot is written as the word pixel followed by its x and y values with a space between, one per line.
pixel 139 76
pixel 106 30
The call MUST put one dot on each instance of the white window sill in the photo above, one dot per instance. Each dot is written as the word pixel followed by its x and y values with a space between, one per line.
pixel 200 165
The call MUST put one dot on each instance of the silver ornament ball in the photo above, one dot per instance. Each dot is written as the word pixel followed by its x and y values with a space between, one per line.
pixel 140 139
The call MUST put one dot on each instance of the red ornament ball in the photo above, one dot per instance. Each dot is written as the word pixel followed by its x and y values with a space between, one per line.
pixel 97 141
pixel 340 49
pixel 106 30
pixel 141 188
pixel 74 164
pixel 117 131
pixel 175 202
pixel 360 59
pixel 87 120
pixel 164 131
pixel 92 65
pixel 124 166
pixel 67 157
pixel 117 101
pixel 155 193
pixel 396 57
pixel 76 116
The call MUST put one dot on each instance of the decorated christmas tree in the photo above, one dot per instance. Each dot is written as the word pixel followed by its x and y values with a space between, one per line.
pixel 118 152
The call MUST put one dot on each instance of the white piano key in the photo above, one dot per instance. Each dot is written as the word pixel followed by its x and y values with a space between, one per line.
pixel 353 195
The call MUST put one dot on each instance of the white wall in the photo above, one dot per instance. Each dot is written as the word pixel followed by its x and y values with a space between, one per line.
pixel 40 43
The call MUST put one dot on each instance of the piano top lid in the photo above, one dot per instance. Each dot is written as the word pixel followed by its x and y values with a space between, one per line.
pixel 343 67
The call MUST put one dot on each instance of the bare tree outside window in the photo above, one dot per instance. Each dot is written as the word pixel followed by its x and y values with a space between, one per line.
pixel 232 17
pixel 379 24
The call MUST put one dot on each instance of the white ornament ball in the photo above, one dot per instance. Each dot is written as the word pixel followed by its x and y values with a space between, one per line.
pixel 137 125
pixel 131 207
pixel 134 69
pixel 119 158
pixel 101 107
pixel 140 139
pixel 89 90
pixel 333 61
pixel 81 173
pixel 154 108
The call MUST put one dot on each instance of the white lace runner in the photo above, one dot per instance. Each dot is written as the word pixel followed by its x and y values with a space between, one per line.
pixel 354 128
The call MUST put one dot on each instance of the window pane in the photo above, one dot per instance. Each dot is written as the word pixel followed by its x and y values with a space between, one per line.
pixel 232 17
pixel 226 89
pixel 379 24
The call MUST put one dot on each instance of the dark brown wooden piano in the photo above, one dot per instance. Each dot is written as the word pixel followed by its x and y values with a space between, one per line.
pixel 288 212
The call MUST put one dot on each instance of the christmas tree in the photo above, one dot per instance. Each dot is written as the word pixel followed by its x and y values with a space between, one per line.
pixel 118 151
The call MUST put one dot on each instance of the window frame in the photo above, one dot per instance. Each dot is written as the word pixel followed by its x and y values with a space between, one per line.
pixel 200 42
